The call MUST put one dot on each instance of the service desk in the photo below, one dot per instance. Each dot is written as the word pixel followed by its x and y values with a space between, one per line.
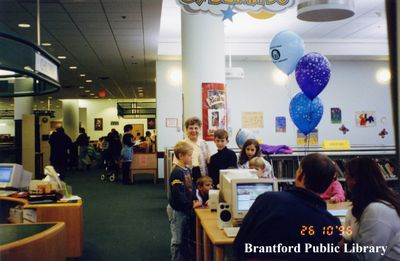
pixel 39 241
pixel 215 238
pixel 70 213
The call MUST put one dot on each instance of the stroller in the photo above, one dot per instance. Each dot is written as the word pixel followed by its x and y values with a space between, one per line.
pixel 110 156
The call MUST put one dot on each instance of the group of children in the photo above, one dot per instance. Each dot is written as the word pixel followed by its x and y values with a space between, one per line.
pixel 184 196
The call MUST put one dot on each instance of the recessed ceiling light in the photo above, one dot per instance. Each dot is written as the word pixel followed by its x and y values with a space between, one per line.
pixel 96 97
pixel 49 97
pixel 73 67
pixel 88 81
pixel 82 75
pixel 41 101
pixel 81 87
pixel 92 94
pixel 46 44
pixel 24 25
pixel 87 90
pixel 61 57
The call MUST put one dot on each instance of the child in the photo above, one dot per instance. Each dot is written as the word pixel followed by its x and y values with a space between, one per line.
pixel 263 170
pixel 251 149
pixel 334 193
pixel 181 203
pixel 204 184
pixel 223 159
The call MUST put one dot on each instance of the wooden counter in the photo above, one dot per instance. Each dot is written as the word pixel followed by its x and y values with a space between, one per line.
pixel 70 213
pixel 40 241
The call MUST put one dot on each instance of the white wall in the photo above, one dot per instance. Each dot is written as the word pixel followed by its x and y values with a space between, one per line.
pixel 107 110
pixel 7 126
pixel 352 88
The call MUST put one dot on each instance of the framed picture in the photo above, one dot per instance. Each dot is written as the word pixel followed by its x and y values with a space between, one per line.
pixel 98 124
pixel 151 123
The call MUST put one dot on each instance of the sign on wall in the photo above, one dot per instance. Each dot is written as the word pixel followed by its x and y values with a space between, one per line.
pixel 216 7
pixel 252 120
pixel 213 109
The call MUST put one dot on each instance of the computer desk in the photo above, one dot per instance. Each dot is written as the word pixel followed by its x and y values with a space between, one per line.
pixel 213 238
pixel 70 213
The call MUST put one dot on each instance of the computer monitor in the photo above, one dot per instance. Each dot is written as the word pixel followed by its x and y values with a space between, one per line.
pixel 10 175
pixel 240 187
pixel 245 192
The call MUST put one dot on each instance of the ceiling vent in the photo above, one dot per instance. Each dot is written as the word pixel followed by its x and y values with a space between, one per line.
pixel 325 10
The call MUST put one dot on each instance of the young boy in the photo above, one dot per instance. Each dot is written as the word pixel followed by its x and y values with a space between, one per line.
pixel 204 184
pixel 181 203
pixel 263 170
pixel 223 159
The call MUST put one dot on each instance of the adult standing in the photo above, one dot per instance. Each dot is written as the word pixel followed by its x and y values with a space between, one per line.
pixel 60 143
pixel 291 218
pixel 127 153
pixel 82 142
pixel 375 215
pixel 201 153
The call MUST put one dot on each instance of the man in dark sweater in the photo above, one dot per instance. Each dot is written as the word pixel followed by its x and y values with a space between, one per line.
pixel 293 224
pixel 223 159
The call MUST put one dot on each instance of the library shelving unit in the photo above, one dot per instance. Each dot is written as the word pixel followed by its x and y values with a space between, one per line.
pixel 285 165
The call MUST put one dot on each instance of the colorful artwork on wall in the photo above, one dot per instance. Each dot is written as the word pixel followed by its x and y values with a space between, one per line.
pixel 280 124
pixel 151 123
pixel 213 109
pixel 336 115
pixel 365 119
pixel 310 139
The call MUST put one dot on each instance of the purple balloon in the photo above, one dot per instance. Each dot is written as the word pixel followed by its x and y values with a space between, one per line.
pixel 312 74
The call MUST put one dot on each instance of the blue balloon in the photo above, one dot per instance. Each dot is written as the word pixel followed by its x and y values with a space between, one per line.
pixel 305 113
pixel 312 74
pixel 286 49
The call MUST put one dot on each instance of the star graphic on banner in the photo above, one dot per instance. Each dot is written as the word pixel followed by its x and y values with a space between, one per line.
pixel 228 14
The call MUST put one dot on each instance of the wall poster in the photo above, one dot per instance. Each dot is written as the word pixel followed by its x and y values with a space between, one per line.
pixel 214 109
pixel 280 124
pixel 336 115
pixel 98 124
pixel 365 119
pixel 252 120
pixel 310 139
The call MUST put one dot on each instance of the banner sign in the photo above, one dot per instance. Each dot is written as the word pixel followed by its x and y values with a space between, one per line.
pixel 214 109
pixel 216 7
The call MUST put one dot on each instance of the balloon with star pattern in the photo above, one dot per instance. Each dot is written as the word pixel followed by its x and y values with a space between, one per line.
pixel 312 74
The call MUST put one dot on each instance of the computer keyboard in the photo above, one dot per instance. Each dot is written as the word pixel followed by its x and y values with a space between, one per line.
pixel 231 231
pixel 6 193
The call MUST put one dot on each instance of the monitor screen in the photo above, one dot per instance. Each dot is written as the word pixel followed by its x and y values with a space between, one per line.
pixel 5 173
pixel 247 193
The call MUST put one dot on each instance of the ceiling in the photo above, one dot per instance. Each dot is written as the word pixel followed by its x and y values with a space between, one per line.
pixel 115 43
pixel 112 42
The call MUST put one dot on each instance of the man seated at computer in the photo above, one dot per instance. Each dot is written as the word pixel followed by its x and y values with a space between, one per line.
pixel 285 225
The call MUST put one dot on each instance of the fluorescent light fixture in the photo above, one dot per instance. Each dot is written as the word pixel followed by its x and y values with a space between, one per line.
pixel 82 75
pixel 61 57
pixel 5 72
pixel 81 87
pixel 22 25
pixel 73 67
pixel 279 77
pixel 46 44
pixel 89 81
pixel 92 94
pixel 383 76
pixel 87 90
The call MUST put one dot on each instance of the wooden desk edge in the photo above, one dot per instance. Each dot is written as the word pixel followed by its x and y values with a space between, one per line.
pixel 58 227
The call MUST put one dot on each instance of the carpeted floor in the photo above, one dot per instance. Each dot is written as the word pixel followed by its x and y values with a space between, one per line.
pixel 122 222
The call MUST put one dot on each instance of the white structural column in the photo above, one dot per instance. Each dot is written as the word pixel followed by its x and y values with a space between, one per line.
pixel 203 58
pixel 71 118
pixel 24 132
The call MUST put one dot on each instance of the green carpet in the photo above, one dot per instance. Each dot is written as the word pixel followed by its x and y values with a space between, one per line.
pixel 122 222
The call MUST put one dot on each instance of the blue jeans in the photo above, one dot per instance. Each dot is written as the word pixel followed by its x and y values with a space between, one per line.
pixel 179 225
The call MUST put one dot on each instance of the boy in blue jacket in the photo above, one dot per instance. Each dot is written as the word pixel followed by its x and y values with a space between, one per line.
pixel 181 202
